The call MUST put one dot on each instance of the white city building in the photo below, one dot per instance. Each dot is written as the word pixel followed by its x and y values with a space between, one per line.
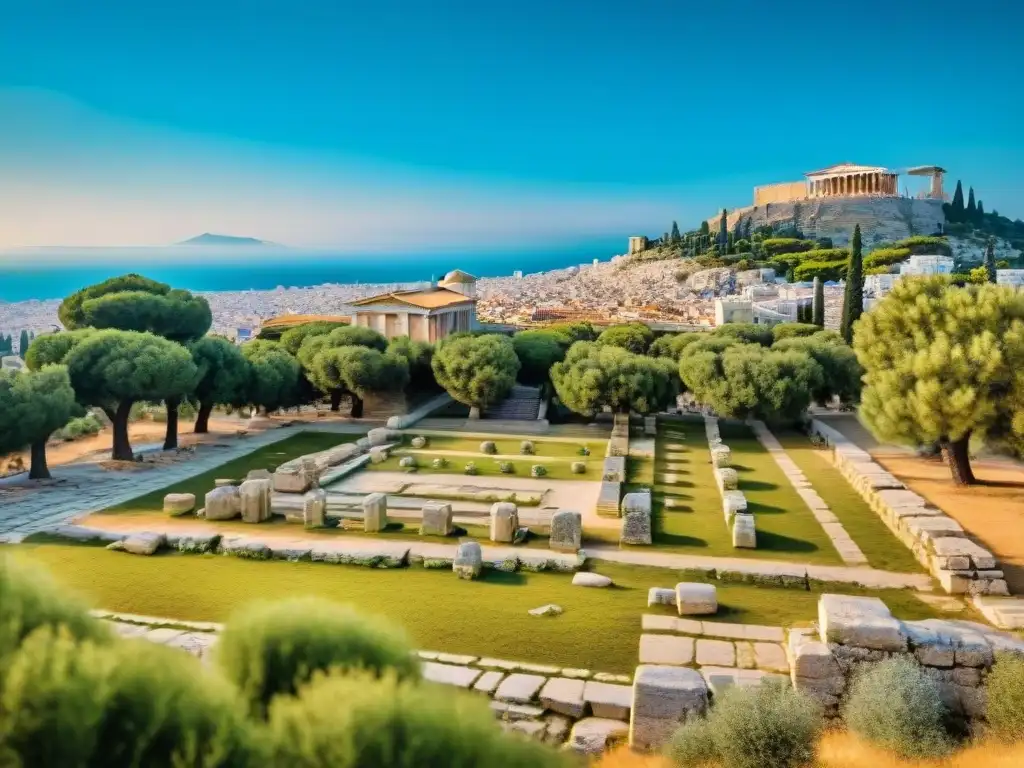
pixel 926 264
pixel 1014 277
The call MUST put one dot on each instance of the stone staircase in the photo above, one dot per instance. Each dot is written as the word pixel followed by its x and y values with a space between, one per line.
pixel 522 404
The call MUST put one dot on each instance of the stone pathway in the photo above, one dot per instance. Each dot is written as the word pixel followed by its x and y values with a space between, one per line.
pixel 844 544
pixel 79 489
pixel 1004 612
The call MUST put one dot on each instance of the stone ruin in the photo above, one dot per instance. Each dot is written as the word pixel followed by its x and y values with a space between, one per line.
pixel 734 504
pixel 566 531
pixel 504 517
pixel 636 518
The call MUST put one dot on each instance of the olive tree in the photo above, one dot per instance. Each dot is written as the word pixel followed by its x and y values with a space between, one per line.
pixel 113 370
pixel 478 371
pixel 841 373
pixel 348 336
pixel 136 303
pixel 274 380
pixel 942 364
pixel 418 356
pixel 358 372
pixel 293 338
pixel 223 377
pixel 537 351
pixel 34 404
pixel 634 337
pixel 595 376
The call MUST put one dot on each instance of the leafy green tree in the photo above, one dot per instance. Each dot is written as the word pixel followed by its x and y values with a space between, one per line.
pixel 943 364
pixel 478 371
pixel 841 373
pixel 793 330
pixel 537 351
pixel 417 355
pixel 34 404
pixel 957 210
pixel 748 332
pixel 990 260
pixel 113 370
pixel 595 376
pixel 275 379
pixel 347 336
pixel 671 345
pixel 853 299
pixel 136 303
pixel 292 339
pixel 580 330
pixel 750 380
pixel 224 376
pixel 23 344
pixel 357 371
pixel 980 215
pixel 52 348
pixel 972 208
pixel 818 306
pixel 634 337
pixel 705 229
pixel 674 236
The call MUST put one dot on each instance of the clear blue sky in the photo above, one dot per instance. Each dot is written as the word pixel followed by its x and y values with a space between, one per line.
pixel 307 121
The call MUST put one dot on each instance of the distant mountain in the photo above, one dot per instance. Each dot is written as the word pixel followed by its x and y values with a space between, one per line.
pixel 210 239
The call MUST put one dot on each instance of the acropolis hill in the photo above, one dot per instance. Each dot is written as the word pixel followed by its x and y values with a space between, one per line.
pixel 832 201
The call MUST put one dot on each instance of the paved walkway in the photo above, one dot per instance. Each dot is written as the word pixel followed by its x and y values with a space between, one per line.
pixel 79 489
pixel 841 540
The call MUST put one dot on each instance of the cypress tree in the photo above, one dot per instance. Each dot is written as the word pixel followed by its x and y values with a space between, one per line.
pixel 723 231
pixel 674 235
pixel 818 315
pixel 957 209
pixel 971 213
pixel 23 344
pixel 990 259
pixel 853 299
pixel 980 218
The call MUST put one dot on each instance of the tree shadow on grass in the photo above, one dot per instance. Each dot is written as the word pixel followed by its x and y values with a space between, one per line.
pixel 777 542
pixel 759 485
pixel 757 508
pixel 501 578
pixel 678 539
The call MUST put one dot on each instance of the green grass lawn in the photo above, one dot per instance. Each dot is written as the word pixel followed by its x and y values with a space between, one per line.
pixel 882 549
pixel 687 511
pixel 487 466
pixel 568 449
pixel 268 457
pixel 600 628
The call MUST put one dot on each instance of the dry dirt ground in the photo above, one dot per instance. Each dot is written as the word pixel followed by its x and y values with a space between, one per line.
pixel 992 511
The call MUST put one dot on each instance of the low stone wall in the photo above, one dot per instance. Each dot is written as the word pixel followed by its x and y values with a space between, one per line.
pixel 409 419
pixel 581 709
pixel 618 444
pixel 738 520
pixel 937 541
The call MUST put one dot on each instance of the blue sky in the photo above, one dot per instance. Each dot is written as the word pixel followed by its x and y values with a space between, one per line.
pixel 340 124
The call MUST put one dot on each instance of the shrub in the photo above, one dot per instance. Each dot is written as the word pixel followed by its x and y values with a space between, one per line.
pixel 926 244
pixel 506 467
pixel 884 257
pixel 272 648
pixel 793 330
pixel 526 448
pixel 30 599
pixel 488 448
pixel 897 706
pixel 76 428
pixel 471 469
pixel 826 270
pixel 538 470
pixel 440 462
pixel 770 724
pixel 407 462
pixel 583 450
pixel 579 468
pixel 776 245
pixel 359 723
pixel 1005 687
pixel 419 442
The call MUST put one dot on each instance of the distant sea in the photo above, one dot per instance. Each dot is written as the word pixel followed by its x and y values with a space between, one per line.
pixel 52 273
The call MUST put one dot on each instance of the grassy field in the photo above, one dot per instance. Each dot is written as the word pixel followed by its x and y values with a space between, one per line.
pixel 882 549
pixel 566 449
pixel 600 628
pixel 488 466
pixel 688 507
pixel 268 457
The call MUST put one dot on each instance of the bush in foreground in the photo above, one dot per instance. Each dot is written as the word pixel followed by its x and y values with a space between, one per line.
pixel 1005 709
pixel 273 648
pixel 353 722
pixel 896 705
pixel 770 724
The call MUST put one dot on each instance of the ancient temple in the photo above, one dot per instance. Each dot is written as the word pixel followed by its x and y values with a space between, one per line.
pixel 849 180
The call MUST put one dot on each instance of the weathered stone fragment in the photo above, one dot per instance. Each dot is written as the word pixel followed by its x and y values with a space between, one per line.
pixel 468 560
pixel 254 501
pixel 222 503
pixel 744 534
pixel 176 504
pixel 437 519
pixel 636 518
pixel 375 513
pixel 864 622
pixel 696 599
pixel 566 530
pixel 663 697
pixel 504 522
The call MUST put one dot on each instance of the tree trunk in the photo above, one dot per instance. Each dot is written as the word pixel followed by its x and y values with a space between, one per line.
pixel 39 470
pixel 336 400
pixel 474 412
pixel 357 407
pixel 171 437
pixel 202 425
pixel 122 445
pixel 958 459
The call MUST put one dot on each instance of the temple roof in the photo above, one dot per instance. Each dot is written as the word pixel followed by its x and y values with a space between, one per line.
pixel 458 276
pixel 432 298
pixel 291 320
pixel 848 168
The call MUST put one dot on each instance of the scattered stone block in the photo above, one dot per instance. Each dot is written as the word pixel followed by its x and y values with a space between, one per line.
pixel 608 699
pixel 666 649
pixel 379 454
pixel 259 474
pixel 176 504
pixel 382 436
pixel 594 735
pixel 660 596
pixel 223 503
pixel 293 479
pixel 716 653
pixel 519 688
pixel 728 479
pixel 864 622
pixel 419 442
pixel 254 501
pixel 375 513
pixel 585 579
pixel 636 519
pixel 504 522
pixel 468 560
pixel 314 508
pixel 721 457
pixel 563 695
pixel 546 610
pixel 733 503
pixel 744 534
pixel 450 674
pixel 614 469
pixel 437 519
pixel 696 599
pixel 566 530
pixel 664 697
pixel 608 496
pixel 144 543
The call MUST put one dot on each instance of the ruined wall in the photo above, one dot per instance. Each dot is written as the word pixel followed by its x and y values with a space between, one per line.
pixel 780 193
